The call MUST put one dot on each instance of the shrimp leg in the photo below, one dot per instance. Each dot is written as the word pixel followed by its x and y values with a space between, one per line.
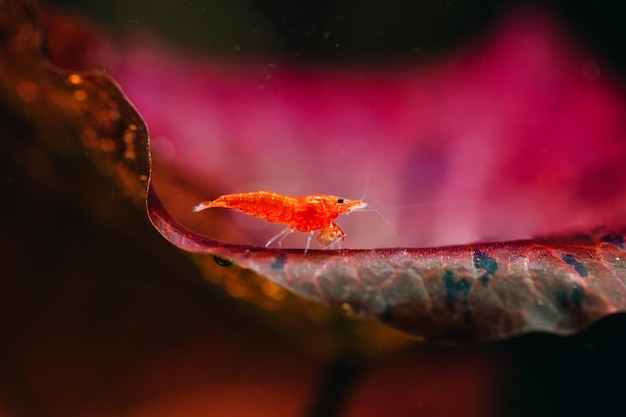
pixel 286 232
pixel 280 236
pixel 308 242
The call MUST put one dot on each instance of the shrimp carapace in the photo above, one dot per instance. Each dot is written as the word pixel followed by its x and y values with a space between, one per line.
pixel 306 214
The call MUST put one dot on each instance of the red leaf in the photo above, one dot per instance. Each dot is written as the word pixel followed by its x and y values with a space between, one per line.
pixel 452 294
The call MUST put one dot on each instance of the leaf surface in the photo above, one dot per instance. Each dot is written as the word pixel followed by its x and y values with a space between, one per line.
pixel 462 293
pixel 452 294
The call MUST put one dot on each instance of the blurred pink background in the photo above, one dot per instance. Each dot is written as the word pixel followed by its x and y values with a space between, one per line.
pixel 520 134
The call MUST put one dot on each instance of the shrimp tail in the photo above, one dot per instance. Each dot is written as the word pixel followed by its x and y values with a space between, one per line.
pixel 205 205
pixel 222 201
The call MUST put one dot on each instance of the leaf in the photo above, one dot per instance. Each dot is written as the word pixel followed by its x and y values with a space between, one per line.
pixel 57 103
pixel 452 294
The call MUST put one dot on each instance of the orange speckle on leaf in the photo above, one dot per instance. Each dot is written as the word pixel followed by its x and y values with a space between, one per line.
pixel 347 308
pixel 234 287
pixel 129 136
pixel 89 138
pixel 107 144
pixel 75 79
pixel 272 290
pixel 27 90
pixel 24 36
pixel 80 95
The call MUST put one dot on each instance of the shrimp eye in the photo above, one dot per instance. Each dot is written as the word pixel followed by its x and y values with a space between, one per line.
pixel 340 200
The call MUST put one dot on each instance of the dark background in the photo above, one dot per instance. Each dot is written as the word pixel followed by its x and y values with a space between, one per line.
pixel 51 246
pixel 364 30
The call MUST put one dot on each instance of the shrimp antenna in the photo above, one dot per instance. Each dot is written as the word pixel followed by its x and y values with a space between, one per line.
pixel 367 183
pixel 439 203
pixel 371 208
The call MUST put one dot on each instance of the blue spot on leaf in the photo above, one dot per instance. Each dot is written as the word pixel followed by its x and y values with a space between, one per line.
pixel 457 290
pixel 578 293
pixel 222 261
pixel 280 262
pixel 387 314
pixel 486 262
pixel 573 299
pixel 575 263
pixel 562 298
pixel 614 239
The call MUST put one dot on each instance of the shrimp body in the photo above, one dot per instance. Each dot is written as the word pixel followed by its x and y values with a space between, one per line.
pixel 306 214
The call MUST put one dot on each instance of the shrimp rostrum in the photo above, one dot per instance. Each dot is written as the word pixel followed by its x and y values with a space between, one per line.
pixel 307 214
